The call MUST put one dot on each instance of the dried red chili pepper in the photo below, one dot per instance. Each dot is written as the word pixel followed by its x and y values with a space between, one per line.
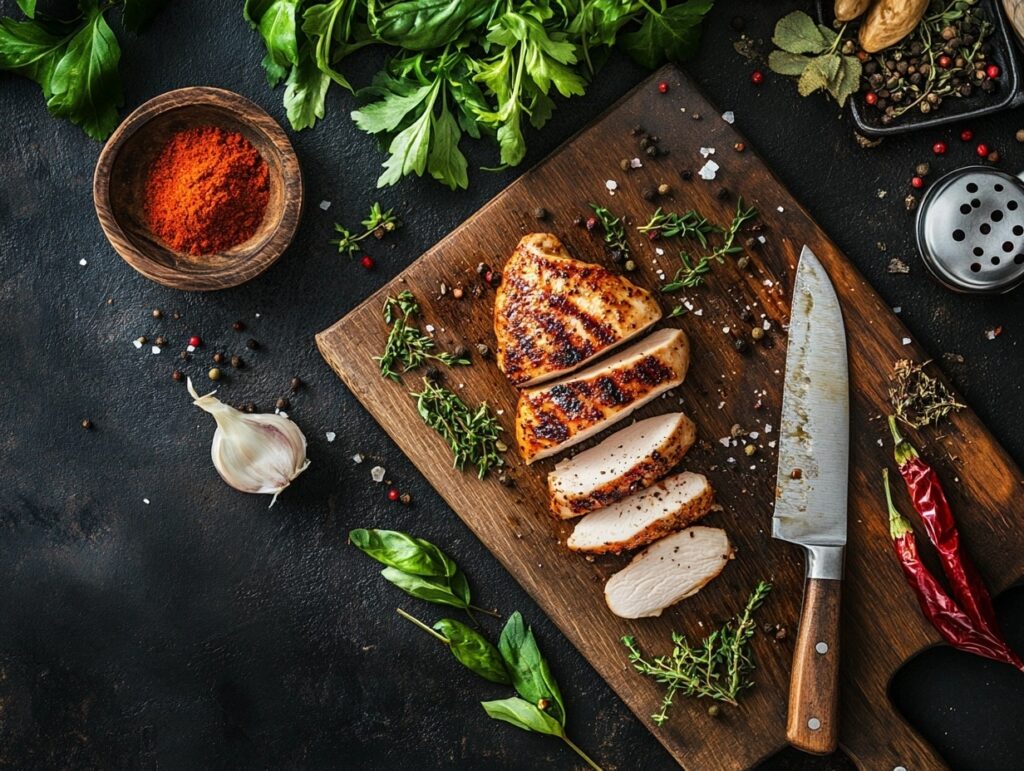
pixel 930 502
pixel 956 626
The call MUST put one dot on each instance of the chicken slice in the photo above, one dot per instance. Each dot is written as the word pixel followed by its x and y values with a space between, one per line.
pixel 629 460
pixel 553 314
pixel 670 505
pixel 672 569
pixel 558 415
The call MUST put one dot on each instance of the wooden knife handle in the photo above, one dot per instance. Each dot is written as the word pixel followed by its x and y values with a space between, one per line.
pixel 813 723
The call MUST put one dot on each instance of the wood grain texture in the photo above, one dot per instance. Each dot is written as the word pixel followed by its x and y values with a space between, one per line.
pixel 120 180
pixel 882 625
pixel 812 722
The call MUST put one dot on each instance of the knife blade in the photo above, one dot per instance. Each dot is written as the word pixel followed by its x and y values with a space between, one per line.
pixel 811 495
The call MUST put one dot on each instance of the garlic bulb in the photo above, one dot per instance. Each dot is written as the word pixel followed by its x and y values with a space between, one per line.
pixel 253 453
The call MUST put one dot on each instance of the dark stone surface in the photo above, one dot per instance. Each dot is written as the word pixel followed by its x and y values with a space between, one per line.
pixel 204 630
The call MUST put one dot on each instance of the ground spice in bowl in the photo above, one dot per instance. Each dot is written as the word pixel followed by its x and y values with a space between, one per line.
pixel 207 191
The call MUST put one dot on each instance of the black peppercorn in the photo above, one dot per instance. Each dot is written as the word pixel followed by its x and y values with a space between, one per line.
pixel 648 194
pixel 238 326
pixel 250 407
pixel 237 363
pixel 433 374
pixel 645 142
pixel 540 213
pixel 252 344
pixel 483 350
pixel 157 313
pixel 686 174
pixel 722 194
pixel 218 358
pixel 296 383
pixel 652 151
pixel 740 345
pixel 281 404
pixel 577 221
pixel 462 352
pixel 87 424
pixel 160 342
pixel 177 376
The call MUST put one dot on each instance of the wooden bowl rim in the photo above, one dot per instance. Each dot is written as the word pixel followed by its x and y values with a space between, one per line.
pixel 246 111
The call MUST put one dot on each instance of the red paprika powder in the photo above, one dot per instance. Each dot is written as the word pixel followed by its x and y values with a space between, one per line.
pixel 207 190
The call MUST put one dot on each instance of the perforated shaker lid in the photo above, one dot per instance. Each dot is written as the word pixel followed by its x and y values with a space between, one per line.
pixel 970 230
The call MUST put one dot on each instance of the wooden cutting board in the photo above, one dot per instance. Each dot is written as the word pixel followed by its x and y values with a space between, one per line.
pixel 882 626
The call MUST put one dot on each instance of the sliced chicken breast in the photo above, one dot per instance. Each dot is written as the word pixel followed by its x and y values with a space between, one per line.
pixel 670 505
pixel 627 461
pixel 553 314
pixel 672 569
pixel 558 415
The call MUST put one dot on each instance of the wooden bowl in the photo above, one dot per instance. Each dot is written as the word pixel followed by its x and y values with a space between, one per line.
pixel 120 181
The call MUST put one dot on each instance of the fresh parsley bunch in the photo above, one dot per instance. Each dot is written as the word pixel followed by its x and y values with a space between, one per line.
pixel 74 61
pixel 483 68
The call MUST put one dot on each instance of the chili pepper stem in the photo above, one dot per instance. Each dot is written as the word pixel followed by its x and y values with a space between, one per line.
pixel 904 450
pixel 579 751
pixel 899 525
pixel 424 627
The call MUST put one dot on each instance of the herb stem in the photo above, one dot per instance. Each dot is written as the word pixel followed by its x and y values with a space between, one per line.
pixel 424 627
pixel 579 751
pixel 491 613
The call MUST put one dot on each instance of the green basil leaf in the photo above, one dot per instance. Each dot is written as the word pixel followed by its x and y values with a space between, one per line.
pixel 473 650
pixel 672 35
pixel 446 163
pixel 523 715
pixel 327 25
pixel 785 63
pixel 305 92
pixel 421 25
pixel 138 13
pixel 28 7
pixel 531 675
pixel 85 85
pixel 403 552
pixel 32 50
pixel 430 589
pixel 797 33
pixel 275 20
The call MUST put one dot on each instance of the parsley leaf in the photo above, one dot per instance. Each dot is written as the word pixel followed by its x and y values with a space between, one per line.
pixel 305 92
pixel 671 34
pixel 275 20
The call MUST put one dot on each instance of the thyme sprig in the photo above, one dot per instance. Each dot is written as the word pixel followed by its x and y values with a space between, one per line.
pixel 719 668
pixel 687 225
pixel 407 347
pixel 377 223
pixel 614 233
pixel 472 434
pixel 918 399
pixel 692 272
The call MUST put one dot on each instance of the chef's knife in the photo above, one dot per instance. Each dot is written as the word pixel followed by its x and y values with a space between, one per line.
pixel 810 503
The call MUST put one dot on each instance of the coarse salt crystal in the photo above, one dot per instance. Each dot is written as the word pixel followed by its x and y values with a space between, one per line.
pixel 83 262
pixel 659 251
pixel 897 309
pixel 155 349
pixel 145 501
pixel 725 330
pixel 708 170
pixel 612 185
pixel 729 116
pixel 190 348
pixel 430 329
pixel 331 436
pixel 771 443
pixel 706 151
pixel 768 428
pixel 282 413
pixel 137 342
pixel 753 435
pixel 780 209
pixel 766 325
pixel 906 341
pixel 377 473
pixel 762 239
pixel 357 458
pixel 724 441
pixel 636 163
pixel 325 205
pixel 699 312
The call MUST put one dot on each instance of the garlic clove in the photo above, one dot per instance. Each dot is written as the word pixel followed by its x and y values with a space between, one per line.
pixel 259 453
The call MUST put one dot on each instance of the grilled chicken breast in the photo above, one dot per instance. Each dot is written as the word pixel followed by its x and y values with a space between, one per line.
pixel 672 569
pixel 627 461
pixel 558 415
pixel 670 505
pixel 553 314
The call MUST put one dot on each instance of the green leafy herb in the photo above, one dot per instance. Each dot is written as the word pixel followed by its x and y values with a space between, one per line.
pixel 407 347
pixel 475 67
pixel 687 225
pixel 614 233
pixel 378 223
pixel 531 675
pixel 918 399
pixel 417 567
pixel 472 434
pixel 719 668
pixel 692 273
pixel 472 649
pixel 677 311
pixel 539 707
pixel 811 52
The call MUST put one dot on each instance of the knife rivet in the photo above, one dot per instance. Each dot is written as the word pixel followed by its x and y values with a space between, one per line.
pixel 821 648
pixel 814 724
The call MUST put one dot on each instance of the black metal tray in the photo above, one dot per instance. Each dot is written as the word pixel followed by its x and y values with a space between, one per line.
pixel 1004 54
